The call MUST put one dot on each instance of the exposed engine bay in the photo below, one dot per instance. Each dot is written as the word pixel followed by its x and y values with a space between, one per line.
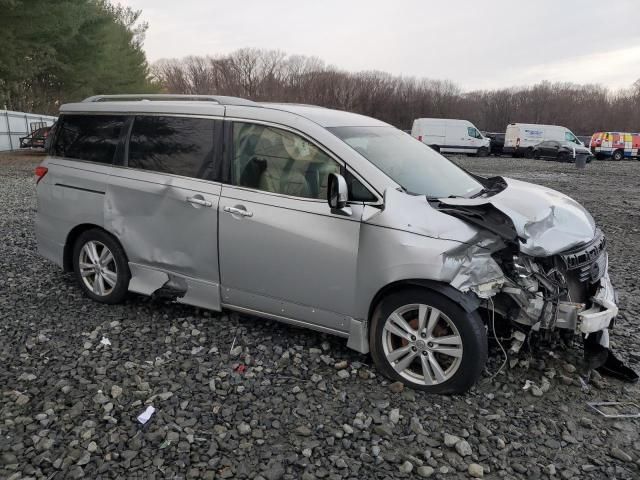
pixel 534 285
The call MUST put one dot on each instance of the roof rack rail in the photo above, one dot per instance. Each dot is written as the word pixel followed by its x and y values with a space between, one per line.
pixel 220 99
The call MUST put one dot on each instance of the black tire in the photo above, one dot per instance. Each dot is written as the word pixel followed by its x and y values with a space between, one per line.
pixel 536 155
pixel 529 153
pixel 563 157
pixel 470 328
pixel 618 155
pixel 483 152
pixel 119 290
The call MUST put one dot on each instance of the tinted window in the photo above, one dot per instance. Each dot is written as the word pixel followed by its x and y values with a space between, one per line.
pixel 357 191
pixel 176 145
pixel 275 160
pixel 88 137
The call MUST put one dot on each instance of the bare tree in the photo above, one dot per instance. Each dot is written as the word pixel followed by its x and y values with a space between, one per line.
pixel 271 75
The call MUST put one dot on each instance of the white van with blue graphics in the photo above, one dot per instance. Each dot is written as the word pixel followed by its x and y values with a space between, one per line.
pixel 520 138
pixel 451 136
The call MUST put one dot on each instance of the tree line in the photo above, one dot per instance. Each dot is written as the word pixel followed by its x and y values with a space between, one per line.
pixel 268 75
pixel 55 52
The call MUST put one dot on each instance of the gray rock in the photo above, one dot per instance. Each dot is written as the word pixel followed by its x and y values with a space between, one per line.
pixel 406 467
pixel 343 374
pixel 425 471
pixel 244 428
pixel 116 391
pixel 475 470
pixel 620 455
pixel 394 415
pixel 463 448
pixel 341 365
pixel 396 387
pixel 450 440
pixel 303 431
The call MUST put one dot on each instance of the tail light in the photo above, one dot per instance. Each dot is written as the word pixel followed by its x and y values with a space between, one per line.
pixel 40 173
pixel 420 137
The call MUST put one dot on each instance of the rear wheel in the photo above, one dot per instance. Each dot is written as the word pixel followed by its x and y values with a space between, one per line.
pixel 100 266
pixel 428 342
pixel 618 155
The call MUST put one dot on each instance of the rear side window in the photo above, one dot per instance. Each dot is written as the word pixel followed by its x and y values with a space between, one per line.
pixel 93 138
pixel 176 145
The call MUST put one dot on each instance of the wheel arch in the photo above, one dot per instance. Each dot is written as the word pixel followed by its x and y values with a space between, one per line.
pixel 72 236
pixel 468 301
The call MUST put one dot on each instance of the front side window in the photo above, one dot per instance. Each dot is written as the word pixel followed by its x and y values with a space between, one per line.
pixel 93 138
pixel 177 145
pixel 408 162
pixel 278 161
pixel 570 137
pixel 473 133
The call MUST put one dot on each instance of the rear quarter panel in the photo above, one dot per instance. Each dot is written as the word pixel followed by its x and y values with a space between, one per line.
pixel 70 194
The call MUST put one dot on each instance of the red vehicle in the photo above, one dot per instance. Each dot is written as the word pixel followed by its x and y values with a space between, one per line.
pixel 35 139
pixel 615 145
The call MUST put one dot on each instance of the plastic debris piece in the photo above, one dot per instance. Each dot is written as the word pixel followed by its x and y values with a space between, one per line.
pixel 105 341
pixel 145 416
pixel 240 368
pixel 165 444
pixel 584 383
pixel 616 409
pixel 528 384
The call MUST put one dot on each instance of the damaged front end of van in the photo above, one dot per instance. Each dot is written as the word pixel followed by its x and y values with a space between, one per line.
pixel 539 264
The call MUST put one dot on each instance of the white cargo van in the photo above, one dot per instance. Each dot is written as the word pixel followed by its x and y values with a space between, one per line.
pixel 520 138
pixel 450 136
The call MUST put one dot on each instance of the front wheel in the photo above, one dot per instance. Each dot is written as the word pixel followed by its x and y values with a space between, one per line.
pixel 483 152
pixel 101 267
pixel 618 155
pixel 428 342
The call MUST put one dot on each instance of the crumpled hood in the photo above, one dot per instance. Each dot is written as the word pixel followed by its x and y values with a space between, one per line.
pixel 547 222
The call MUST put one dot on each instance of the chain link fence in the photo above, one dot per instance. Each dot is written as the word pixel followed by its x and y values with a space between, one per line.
pixel 14 125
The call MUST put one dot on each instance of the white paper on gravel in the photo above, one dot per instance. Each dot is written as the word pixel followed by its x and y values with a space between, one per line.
pixel 146 415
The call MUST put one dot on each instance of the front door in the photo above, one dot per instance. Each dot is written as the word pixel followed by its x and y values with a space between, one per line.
pixel 282 251
pixel 163 207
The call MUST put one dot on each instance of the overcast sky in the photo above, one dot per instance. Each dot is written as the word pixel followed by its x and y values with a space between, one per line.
pixel 477 44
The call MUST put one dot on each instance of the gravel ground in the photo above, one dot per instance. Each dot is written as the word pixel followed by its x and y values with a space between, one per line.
pixel 250 398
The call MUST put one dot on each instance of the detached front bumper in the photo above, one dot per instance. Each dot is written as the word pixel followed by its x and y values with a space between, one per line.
pixel 603 311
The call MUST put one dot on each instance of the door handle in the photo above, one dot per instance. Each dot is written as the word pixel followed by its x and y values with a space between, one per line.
pixel 199 201
pixel 241 212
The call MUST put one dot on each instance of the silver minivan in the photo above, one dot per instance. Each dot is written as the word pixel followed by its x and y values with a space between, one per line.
pixel 318 218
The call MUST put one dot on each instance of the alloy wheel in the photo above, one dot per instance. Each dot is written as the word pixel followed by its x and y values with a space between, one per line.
pixel 422 344
pixel 98 268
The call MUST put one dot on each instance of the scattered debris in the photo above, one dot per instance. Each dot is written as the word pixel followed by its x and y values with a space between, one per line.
pixel 105 341
pixel 616 409
pixel 240 368
pixel 145 416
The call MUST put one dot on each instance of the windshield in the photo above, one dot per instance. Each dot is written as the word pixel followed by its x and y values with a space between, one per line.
pixel 408 162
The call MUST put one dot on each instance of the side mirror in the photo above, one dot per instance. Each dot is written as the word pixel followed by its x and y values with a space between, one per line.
pixel 338 194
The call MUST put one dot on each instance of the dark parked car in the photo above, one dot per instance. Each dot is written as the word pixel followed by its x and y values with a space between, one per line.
pixel 35 139
pixel 585 139
pixel 560 151
pixel 496 144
